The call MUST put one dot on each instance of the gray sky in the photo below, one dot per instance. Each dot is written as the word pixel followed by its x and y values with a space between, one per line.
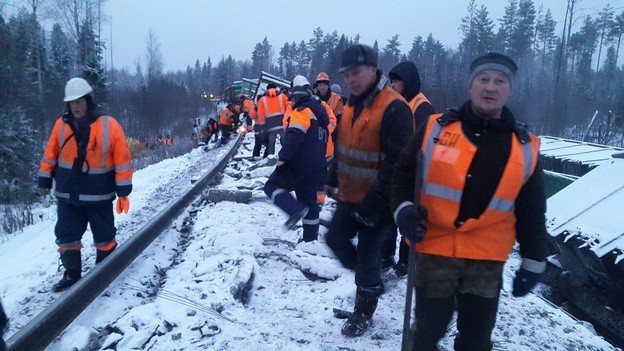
pixel 196 29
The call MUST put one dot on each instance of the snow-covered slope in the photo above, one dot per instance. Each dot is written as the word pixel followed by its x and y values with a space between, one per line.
pixel 184 291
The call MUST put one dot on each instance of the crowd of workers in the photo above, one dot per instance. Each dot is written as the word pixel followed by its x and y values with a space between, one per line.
pixel 461 186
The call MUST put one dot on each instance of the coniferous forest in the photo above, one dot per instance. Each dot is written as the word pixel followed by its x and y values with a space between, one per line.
pixel 565 75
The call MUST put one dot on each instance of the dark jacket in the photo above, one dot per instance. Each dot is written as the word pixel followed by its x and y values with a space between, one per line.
pixel 492 137
pixel 303 151
pixel 396 131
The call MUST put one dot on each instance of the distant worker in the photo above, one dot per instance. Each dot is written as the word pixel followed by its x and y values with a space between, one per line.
pixel 169 140
pixel 212 129
pixel 338 90
pixel 261 136
pixel 249 111
pixel 481 190
pixel 226 122
pixel 301 166
pixel 405 79
pixel 194 140
pixel 331 98
pixel 89 160
pixel 160 140
pixel 376 125
pixel 271 108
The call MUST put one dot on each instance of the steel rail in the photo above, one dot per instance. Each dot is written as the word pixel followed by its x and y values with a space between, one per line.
pixel 46 326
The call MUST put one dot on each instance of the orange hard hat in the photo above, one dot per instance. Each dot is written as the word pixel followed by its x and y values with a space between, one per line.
pixel 322 77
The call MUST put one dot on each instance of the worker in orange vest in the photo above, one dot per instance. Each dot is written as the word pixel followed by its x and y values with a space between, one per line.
pixel 88 157
pixel 375 126
pixel 226 122
pixel 405 79
pixel 331 98
pixel 271 108
pixel 480 188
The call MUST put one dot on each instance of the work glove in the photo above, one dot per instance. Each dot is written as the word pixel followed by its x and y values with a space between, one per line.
pixel 525 279
pixel 123 204
pixel 412 222
pixel 367 212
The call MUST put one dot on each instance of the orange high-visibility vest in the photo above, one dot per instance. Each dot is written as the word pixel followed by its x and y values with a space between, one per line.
pixel 225 116
pixel 447 155
pixel 359 147
pixel 417 101
pixel 272 107
pixel 107 166
pixel 336 105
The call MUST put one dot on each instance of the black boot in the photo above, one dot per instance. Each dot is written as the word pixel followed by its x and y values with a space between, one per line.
pixel 70 259
pixel 101 254
pixel 362 316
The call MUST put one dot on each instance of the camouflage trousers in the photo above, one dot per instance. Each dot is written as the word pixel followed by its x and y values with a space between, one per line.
pixel 442 276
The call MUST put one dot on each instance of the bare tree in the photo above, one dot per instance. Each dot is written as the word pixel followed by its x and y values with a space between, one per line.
pixel 154 57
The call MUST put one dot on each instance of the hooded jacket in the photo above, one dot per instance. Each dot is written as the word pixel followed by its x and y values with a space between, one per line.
pixel 408 73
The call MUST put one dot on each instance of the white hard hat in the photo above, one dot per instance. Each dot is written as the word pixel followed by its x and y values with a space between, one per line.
pixel 299 81
pixel 76 88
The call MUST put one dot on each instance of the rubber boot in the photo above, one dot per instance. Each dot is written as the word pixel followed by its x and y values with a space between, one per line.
pixel 362 316
pixel 473 336
pixel 101 254
pixel 70 259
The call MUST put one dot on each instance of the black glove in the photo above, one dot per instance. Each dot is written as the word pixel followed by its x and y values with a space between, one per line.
pixel 362 219
pixel 524 282
pixel 367 212
pixel 412 222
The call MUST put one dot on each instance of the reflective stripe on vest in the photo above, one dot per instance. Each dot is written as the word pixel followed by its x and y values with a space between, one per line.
pixel 455 195
pixel 417 101
pixel 447 157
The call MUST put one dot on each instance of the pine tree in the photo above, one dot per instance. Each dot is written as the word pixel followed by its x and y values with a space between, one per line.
pixel 506 27
pixel 318 51
pixel 391 54
pixel 545 33
pixel 261 58
pixel 90 57
pixel 521 38
pixel 59 62
pixel 617 32
pixel 603 23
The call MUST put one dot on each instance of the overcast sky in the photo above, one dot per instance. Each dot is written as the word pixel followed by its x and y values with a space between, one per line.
pixel 197 29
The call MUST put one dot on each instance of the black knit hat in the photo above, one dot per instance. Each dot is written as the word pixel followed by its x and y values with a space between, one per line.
pixel 356 55
pixel 271 86
pixel 494 61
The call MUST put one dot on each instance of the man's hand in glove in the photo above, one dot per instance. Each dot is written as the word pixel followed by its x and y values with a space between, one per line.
pixel 527 276
pixel 123 205
pixel 412 222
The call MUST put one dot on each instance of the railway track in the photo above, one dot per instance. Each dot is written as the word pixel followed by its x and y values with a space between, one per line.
pixel 47 325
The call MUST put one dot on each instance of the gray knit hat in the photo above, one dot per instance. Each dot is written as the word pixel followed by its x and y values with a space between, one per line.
pixel 496 62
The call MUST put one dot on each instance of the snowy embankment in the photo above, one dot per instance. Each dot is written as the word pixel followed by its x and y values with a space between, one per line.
pixel 188 291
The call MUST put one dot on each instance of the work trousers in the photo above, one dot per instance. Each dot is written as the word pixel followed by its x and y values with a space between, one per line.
pixel 259 140
pixel 72 223
pixel 284 180
pixel 442 282
pixel 364 257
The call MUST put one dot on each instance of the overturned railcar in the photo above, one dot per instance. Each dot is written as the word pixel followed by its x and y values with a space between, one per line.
pixel 586 223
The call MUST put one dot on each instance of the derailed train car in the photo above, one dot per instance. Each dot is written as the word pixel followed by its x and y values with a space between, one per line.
pixel 586 223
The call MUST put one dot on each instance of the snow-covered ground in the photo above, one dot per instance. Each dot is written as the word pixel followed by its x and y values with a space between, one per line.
pixel 184 292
